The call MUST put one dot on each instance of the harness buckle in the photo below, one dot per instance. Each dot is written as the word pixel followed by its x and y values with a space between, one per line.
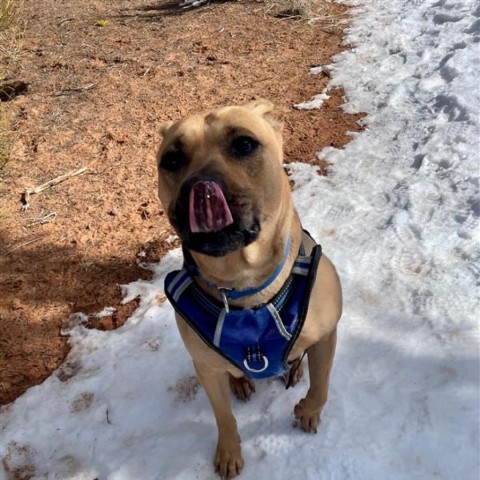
pixel 256 357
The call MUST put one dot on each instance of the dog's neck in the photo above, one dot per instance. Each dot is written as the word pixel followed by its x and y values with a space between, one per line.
pixel 251 266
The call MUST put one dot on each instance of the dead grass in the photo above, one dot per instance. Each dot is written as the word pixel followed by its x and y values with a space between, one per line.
pixel 7 13
pixel 309 11
pixel 4 138
pixel 292 8
pixel 10 47
pixel 9 36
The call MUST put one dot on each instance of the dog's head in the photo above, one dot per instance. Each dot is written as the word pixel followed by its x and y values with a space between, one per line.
pixel 221 177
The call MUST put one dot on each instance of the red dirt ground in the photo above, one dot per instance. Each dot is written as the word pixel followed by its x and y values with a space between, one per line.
pixel 96 98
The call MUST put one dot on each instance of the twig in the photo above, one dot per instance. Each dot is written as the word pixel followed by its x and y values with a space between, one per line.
pixel 41 220
pixel 44 186
pixel 68 91
pixel 61 22
pixel 329 20
pixel 28 242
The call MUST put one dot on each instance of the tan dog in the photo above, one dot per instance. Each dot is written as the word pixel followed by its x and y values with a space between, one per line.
pixel 222 183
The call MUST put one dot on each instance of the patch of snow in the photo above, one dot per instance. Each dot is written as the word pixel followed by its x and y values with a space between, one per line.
pixel 171 238
pixel 325 69
pixel 315 102
pixel 105 312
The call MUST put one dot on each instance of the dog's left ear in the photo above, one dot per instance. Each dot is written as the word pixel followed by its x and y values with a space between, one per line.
pixel 264 108
pixel 165 127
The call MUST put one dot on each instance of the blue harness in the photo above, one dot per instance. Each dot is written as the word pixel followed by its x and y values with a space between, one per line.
pixel 255 340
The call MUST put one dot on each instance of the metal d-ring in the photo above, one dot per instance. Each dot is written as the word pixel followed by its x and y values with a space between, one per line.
pixel 265 365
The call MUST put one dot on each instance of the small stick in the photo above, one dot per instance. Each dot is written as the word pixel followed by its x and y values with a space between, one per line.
pixel 28 242
pixel 44 186
pixel 65 20
pixel 68 91
pixel 45 219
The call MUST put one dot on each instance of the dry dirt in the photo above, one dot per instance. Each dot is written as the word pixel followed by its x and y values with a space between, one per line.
pixel 102 76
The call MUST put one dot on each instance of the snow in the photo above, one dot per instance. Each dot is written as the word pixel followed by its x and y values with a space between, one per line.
pixel 315 102
pixel 398 215
pixel 105 312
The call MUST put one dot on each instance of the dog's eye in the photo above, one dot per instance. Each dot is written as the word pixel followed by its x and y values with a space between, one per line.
pixel 173 160
pixel 243 146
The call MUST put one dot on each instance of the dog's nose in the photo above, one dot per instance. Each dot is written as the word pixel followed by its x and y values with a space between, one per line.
pixel 209 173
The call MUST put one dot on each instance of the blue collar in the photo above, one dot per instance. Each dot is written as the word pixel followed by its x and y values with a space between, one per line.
pixel 232 294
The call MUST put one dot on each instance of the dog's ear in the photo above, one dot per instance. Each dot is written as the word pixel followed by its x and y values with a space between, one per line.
pixel 260 106
pixel 165 127
pixel 265 107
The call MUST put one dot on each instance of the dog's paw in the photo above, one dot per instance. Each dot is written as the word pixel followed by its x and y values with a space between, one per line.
pixel 228 459
pixel 307 415
pixel 243 388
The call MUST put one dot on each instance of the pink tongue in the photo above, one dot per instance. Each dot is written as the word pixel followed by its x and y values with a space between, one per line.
pixel 208 209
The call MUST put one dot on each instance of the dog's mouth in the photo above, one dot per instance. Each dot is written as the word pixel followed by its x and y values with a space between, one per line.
pixel 218 244
pixel 208 208
pixel 209 220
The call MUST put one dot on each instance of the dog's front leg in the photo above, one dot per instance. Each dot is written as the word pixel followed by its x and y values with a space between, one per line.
pixel 320 359
pixel 228 457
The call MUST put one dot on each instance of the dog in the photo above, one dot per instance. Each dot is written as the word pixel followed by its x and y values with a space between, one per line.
pixel 222 183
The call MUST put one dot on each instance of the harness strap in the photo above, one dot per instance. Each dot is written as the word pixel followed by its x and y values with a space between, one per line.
pixel 179 284
pixel 278 321
pixel 218 330
pixel 302 265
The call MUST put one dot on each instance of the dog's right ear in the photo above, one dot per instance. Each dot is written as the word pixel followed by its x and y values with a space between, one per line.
pixel 165 127
pixel 264 108
pixel 260 106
